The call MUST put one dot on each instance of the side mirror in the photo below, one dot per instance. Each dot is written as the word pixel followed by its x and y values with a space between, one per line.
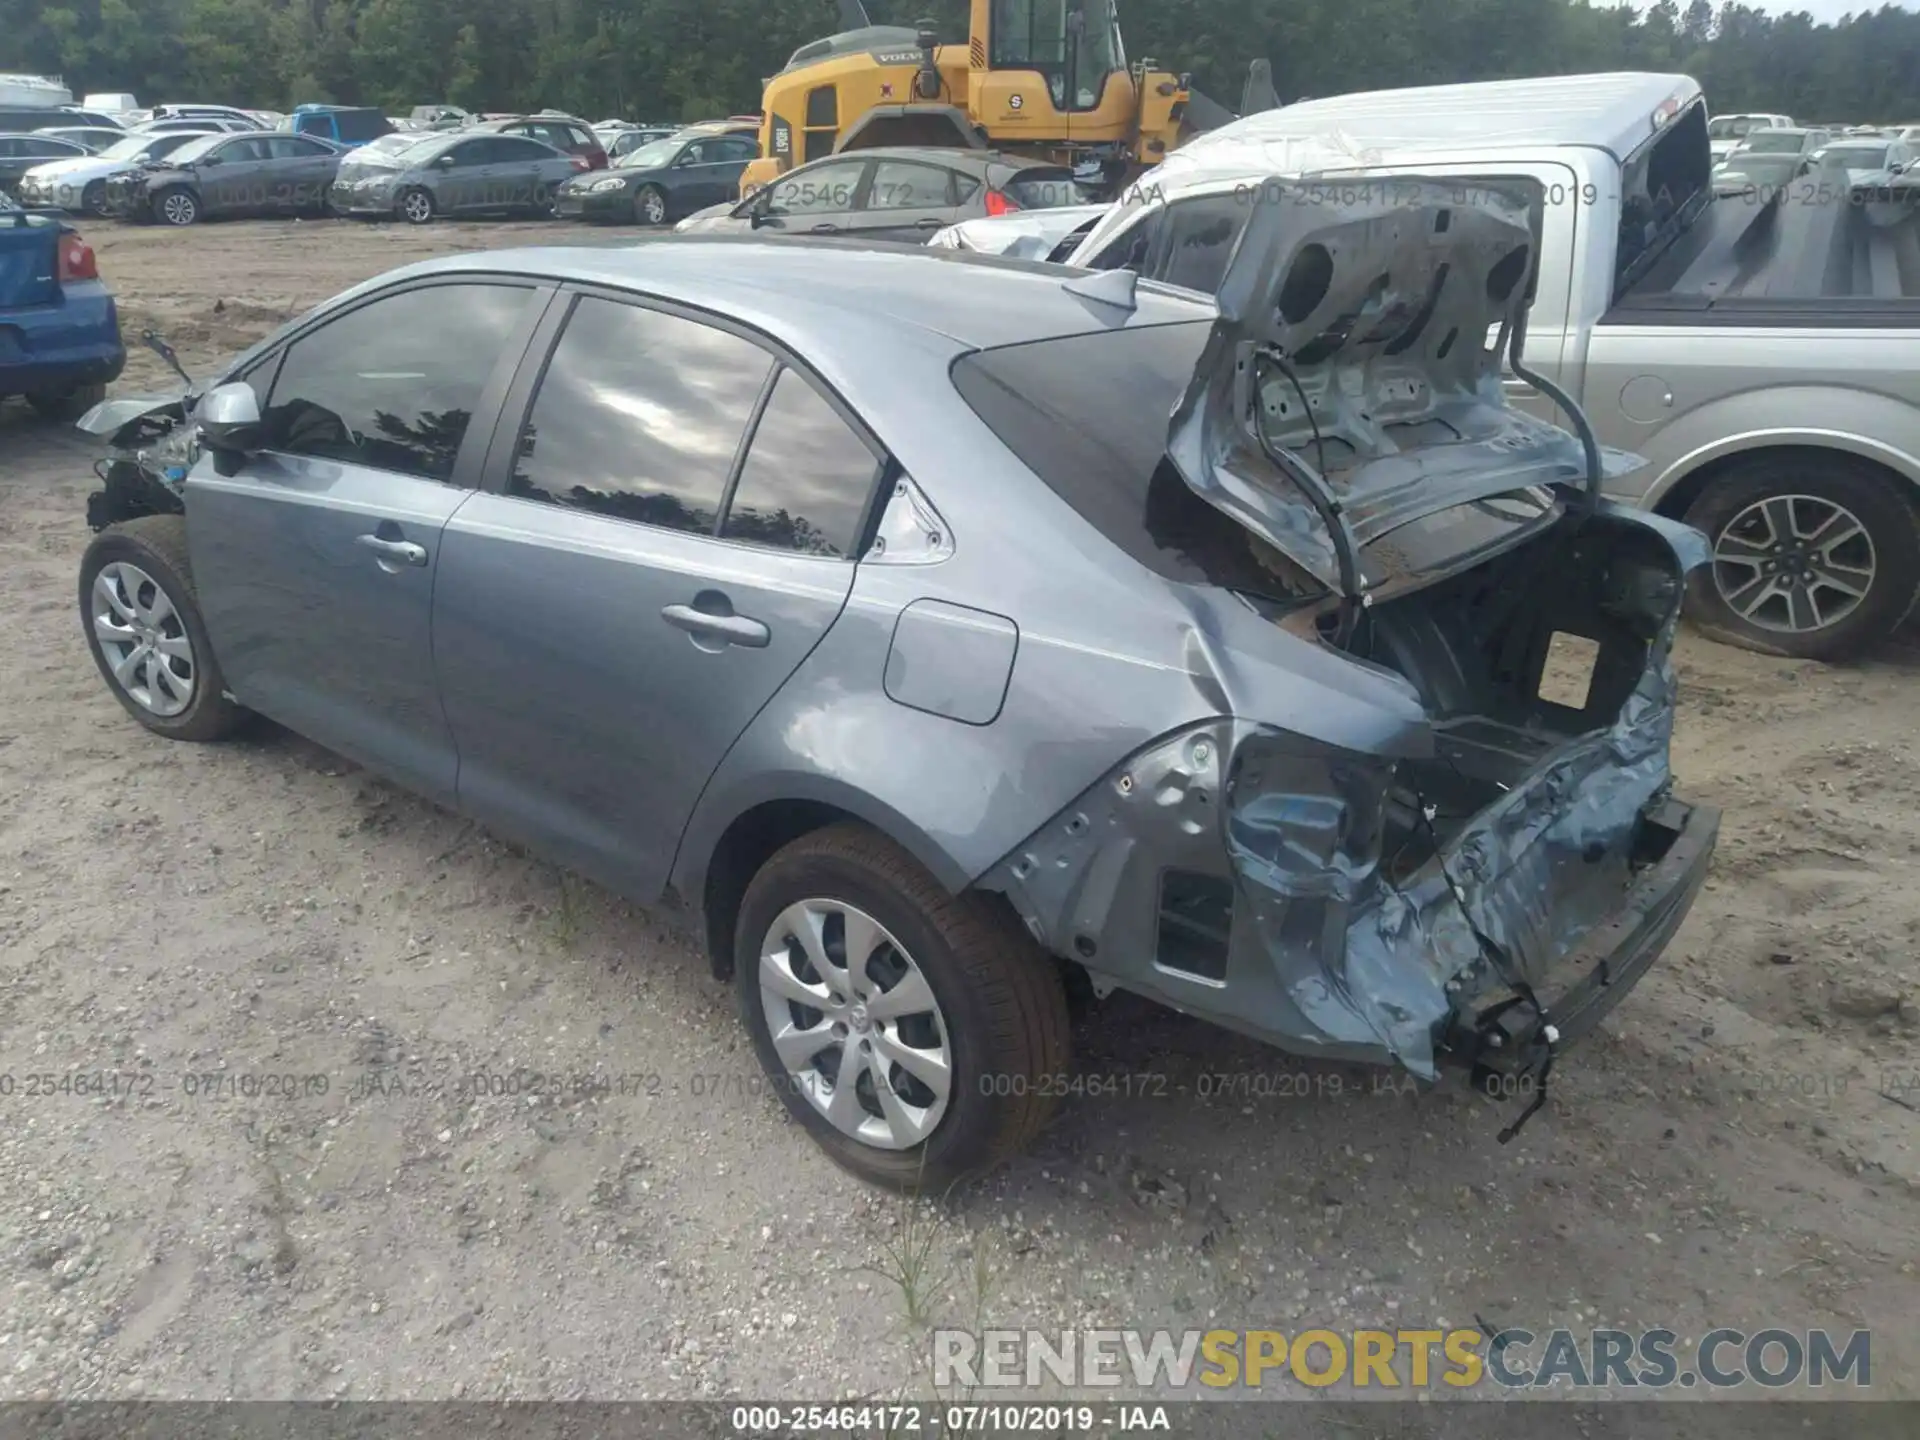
pixel 228 419
pixel 443 162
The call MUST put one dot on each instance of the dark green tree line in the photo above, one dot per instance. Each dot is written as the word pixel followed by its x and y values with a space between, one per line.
pixel 682 59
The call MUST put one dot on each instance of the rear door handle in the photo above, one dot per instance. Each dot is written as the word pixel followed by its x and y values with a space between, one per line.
pixel 732 629
pixel 928 224
pixel 826 229
pixel 403 552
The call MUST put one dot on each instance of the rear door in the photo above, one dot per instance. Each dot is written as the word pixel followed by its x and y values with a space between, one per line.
pixel 316 560
pixel 605 623
pixel 908 200
pixel 519 170
pixel 301 171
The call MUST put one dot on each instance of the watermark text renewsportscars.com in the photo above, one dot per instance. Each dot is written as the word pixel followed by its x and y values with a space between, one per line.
pixel 1514 1358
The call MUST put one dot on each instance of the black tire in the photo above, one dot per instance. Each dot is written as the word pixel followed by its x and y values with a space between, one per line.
pixel 67 404
pixel 157 544
pixel 176 206
pixel 648 195
pixel 1004 1007
pixel 93 199
pixel 1725 512
pixel 416 206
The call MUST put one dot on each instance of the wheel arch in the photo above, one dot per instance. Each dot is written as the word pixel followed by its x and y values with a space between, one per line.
pixel 725 846
pixel 1690 477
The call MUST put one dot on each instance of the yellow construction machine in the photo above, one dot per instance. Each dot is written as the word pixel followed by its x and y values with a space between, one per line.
pixel 1047 78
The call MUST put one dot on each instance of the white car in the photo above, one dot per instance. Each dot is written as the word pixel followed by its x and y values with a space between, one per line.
pixel 1725 132
pixel 81 183
pixel 1021 234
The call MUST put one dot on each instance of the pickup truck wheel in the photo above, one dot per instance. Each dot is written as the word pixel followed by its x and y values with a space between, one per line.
pixel 144 628
pixel 67 404
pixel 912 1032
pixel 1812 559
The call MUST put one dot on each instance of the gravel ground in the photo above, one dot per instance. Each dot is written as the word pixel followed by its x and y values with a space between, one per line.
pixel 205 919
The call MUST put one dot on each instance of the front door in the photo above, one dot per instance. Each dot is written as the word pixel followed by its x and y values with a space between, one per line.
pixel 819 200
pixel 233 177
pixel 601 638
pixel 315 561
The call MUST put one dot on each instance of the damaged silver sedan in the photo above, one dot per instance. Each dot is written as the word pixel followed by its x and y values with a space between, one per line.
pixel 938 628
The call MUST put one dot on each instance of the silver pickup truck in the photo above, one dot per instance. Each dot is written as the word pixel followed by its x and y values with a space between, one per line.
pixel 1760 352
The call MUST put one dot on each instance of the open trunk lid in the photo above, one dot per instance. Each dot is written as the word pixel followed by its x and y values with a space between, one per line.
pixel 1352 379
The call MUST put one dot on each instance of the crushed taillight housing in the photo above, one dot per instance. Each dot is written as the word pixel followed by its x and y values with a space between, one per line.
pixel 77 260
pixel 1000 203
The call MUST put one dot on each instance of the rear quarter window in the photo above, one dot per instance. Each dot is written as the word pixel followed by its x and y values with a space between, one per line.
pixel 1051 403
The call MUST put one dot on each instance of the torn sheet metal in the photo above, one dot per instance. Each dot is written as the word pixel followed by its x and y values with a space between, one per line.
pixel 1249 875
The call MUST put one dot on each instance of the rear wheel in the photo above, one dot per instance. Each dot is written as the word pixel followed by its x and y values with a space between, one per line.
pixel 144 628
pixel 67 404
pixel 1815 556
pixel 911 1031
pixel 650 205
pixel 176 207
pixel 417 207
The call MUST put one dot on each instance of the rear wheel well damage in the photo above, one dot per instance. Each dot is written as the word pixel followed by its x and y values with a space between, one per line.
pixel 754 837
pixel 749 842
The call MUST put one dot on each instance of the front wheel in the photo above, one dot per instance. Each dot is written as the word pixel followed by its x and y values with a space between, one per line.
pixel 919 1036
pixel 1815 556
pixel 650 205
pixel 144 628
pixel 176 207
pixel 417 207
pixel 93 199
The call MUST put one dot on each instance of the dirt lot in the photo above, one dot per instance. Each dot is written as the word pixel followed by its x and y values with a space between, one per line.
pixel 1720 1154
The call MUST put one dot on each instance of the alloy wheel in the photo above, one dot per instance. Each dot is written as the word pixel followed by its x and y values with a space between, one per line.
pixel 417 207
pixel 178 209
pixel 144 639
pixel 653 207
pixel 855 1023
pixel 1794 563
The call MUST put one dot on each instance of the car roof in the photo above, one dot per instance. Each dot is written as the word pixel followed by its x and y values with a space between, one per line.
pixel 1614 110
pixel 840 295
pixel 976 160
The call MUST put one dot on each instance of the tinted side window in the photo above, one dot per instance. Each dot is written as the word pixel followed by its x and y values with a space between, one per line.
pixel 816 192
pixel 898 185
pixel 394 383
pixel 1201 234
pixel 1129 250
pixel 639 416
pixel 738 149
pixel 362 125
pixel 512 149
pixel 294 148
pixel 807 479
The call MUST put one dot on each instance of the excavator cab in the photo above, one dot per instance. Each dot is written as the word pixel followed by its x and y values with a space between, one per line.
pixel 1047 78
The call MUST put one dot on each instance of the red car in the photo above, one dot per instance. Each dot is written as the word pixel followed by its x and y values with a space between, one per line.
pixel 570 136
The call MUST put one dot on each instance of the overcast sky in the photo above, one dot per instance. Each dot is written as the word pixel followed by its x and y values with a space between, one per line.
pixel 1828 10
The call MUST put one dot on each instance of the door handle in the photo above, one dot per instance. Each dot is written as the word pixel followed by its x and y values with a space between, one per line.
pixel 826 229
pixel 403 551
pixel 732 629
pixel 928 224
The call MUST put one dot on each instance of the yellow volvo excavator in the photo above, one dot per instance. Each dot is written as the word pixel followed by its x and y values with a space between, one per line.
pixel 1048 78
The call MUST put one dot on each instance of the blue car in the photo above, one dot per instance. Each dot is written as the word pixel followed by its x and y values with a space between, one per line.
pixel 347 126
pixel 59 332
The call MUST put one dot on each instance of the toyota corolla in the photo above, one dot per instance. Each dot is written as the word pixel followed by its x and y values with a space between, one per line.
pixel 941 629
